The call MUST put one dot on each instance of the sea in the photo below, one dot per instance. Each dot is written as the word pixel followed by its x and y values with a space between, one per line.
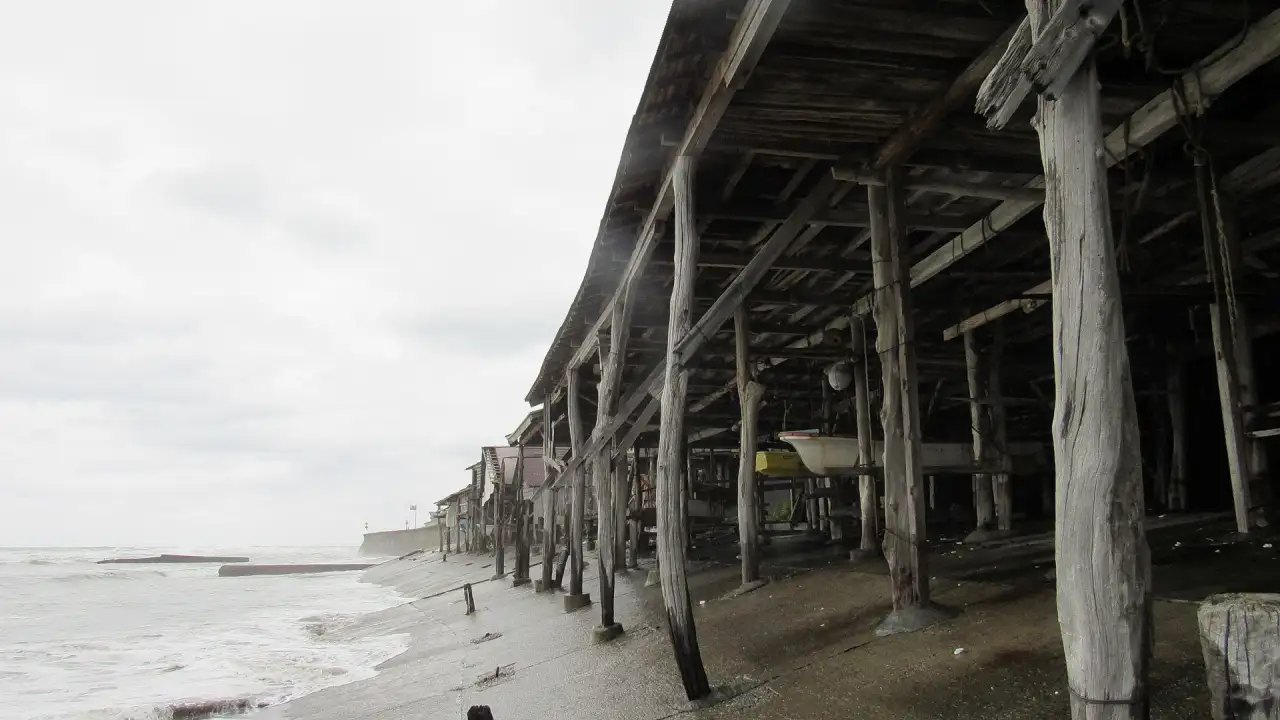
pixel 83 641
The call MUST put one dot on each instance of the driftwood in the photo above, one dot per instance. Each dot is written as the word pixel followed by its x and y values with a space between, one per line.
pixel 750 395
pixel 1240 638
pixel 672 520
pixel 1102 563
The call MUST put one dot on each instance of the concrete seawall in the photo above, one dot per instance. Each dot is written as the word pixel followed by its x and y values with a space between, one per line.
pixel 247 570
pixel 399 542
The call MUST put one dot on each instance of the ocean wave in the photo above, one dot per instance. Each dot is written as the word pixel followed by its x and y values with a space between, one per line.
pixel 109 575
pixel 320 625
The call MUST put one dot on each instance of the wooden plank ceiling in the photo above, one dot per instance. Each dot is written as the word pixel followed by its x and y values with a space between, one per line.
pixel 837 80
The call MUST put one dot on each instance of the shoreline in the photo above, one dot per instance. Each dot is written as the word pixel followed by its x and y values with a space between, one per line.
pixel 803 646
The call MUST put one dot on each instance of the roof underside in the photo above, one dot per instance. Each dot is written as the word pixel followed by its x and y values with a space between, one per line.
pixel 837 79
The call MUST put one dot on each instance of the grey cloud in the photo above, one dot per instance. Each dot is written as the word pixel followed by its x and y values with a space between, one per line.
pixel 228 192
pixel 526 325
pixel 328 229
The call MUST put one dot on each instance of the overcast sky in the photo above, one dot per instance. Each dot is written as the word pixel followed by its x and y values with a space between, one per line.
pixel 275 269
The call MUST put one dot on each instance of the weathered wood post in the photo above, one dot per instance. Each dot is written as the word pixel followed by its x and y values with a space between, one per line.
pixel 575 598
pixel 522 524
pixel 633 550
pixel 1177 498
pixel 1233 353
pixel 612 350
pixel 868 504
pixel 469 599
pixel 1102 562
pixel 477 508
pixel 980 424
pixel 1240 638
pixel 672 532
pixel 900 414
pixel 566 513
pixel 621 497
pixel 750 395
pixel 499 520
pixel 834 499
pixel 1000 486
pixel 811 504
pixel 545 584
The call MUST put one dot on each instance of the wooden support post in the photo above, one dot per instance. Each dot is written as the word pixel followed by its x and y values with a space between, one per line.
pixel 867 494
pixel 548 498
pixel 1233 353
pixel 633 524
pixel 1000 486
pixel 469 599
pixel 1177 497
pixel 499 521
pixel 672 533
pixel 521 576
pixel 621 497
pixel 750 395
pixel 1103 565
pixel 834 498
pixel 612 353
pixel 1240 638
pixel 900 415
pixel 811 504
pixel 980 424
pixel 577 499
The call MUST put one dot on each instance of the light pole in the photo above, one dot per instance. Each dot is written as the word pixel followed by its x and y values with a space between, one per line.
pixel 414 508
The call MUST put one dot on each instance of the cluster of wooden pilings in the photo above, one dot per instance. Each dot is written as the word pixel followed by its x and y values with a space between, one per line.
pixel 1097 493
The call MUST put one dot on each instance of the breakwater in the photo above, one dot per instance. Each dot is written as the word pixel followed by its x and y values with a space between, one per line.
pixel 398 542
pixel 174 559
pixel 247 570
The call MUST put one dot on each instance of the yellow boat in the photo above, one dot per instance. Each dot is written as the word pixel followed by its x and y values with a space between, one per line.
pixel 780 463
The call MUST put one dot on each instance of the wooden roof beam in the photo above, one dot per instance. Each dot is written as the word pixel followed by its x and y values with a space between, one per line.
pixel 911 135
pixel 830 217
pixel 1230 64
pixel 741 260
pixel 1048 62
pixel 751 34
pixel 955 189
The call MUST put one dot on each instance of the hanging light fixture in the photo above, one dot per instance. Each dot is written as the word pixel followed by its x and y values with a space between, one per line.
pixel 839 375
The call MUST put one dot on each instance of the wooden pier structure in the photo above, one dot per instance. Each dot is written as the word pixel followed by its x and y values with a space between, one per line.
pixel 990 222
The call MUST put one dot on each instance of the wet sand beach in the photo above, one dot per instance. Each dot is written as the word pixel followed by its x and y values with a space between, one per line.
pixel 801 647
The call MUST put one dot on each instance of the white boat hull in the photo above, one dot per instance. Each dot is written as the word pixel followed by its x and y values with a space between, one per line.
pixel 834 455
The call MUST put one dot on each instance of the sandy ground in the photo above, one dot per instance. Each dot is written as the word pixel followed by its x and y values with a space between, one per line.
pixel 801 647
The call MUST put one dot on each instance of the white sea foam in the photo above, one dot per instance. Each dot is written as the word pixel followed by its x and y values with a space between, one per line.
pixel 80 641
